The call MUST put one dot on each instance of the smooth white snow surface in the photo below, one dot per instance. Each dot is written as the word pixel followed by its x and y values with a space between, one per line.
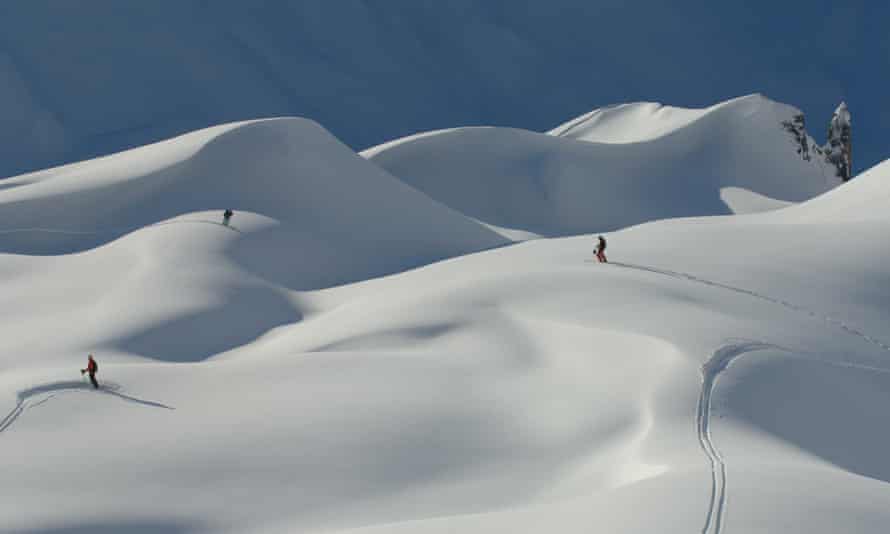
pixel 629 123
pixel 612 168
pixel 722 374
pixel 741 201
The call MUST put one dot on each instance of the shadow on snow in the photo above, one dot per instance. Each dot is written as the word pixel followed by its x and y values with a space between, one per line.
pixel 55 388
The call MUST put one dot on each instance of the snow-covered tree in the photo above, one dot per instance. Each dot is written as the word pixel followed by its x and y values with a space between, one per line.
pixel 797 128
pixel 838 148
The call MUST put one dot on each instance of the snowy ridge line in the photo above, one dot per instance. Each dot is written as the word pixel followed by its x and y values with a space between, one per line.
pixel 72 386
pixel 567 128
pixel 108 230
pixel 711 370
pixel 790 305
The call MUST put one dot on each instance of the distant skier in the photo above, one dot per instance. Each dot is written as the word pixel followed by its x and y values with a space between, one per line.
pixel 92 369
pixel 601 250
pixel 226 216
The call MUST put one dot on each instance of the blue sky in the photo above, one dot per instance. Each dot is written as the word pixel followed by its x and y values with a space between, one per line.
pixel 80 79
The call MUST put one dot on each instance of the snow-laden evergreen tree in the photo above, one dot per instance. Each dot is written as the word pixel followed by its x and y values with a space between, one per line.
pixel 798 130
pixel 838 148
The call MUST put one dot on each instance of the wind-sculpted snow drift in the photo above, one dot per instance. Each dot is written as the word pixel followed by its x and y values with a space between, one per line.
pixel 314 367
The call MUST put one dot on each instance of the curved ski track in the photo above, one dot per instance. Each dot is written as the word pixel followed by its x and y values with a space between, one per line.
pixel 717 363
pixel 711 370
pixel 710 373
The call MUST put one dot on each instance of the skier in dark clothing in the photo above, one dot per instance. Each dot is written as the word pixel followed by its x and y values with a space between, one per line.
pixel 226 216
pixel 601 250
pixel 92 369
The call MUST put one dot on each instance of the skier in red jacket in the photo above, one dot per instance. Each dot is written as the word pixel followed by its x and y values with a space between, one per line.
pixel 601 250
pixel 92 368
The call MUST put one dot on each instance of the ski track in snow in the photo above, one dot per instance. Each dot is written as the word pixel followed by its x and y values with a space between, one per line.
pixel 34 397
pixel 711 370
pixel 718 362
pixel 790 305
pixel 710 373
pixel 31 398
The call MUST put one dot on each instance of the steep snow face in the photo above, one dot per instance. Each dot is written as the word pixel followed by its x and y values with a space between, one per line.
pixel 612 168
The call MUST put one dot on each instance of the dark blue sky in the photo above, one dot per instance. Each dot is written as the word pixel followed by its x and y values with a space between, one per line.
pixel 809 54
pixel 80 79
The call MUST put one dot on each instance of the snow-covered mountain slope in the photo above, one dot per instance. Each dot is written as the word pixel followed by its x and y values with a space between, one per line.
pixel 628 123
pixel 612 168
pixel 864 199
pixel 722 374
pixel 742 201
pixel 321 201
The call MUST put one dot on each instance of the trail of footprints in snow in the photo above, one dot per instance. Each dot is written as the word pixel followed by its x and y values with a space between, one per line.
pixel 716 364
pixel 790 305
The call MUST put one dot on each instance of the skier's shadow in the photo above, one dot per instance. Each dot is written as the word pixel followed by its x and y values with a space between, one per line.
pixel 114 390
pixel 54 388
